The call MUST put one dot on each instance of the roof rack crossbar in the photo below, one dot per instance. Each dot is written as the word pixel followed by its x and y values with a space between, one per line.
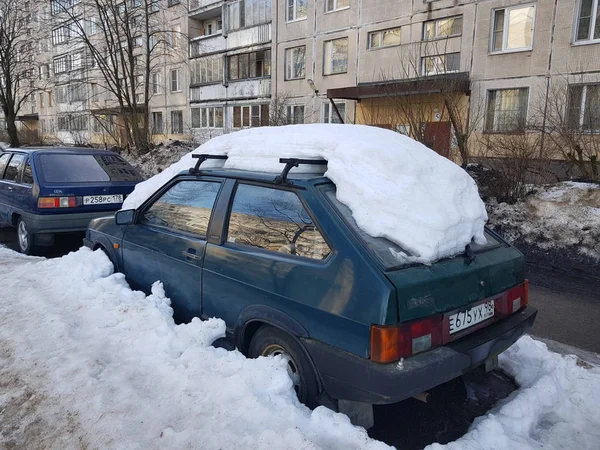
pixel 295 162
pixel 201 158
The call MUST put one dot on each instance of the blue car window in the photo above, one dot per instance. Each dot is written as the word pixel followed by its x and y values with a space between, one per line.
pixel 82 168
pixel 12 170
pixel 3 162
pixel 27 177
pixel 274 220
pixel 186 207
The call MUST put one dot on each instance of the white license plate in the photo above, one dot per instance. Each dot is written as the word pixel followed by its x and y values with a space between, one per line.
pixel 102 199
pixel 471 316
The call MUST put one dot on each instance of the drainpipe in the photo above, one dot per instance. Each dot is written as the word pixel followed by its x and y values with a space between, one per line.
pixel 548 75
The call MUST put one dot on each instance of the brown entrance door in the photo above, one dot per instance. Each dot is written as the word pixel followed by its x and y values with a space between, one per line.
pixel 438 137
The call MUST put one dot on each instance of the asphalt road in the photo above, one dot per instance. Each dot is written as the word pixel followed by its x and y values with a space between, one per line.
pixel 569 313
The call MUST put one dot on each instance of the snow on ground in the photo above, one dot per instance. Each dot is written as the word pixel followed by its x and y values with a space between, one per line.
pixel 560 216
pixel 395 187
pixel 161 157
pixel 85 362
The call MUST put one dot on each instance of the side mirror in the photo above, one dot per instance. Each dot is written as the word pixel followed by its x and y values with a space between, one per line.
pixel 125 217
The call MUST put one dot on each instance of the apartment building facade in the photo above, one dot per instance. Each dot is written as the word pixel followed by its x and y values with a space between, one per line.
pixel 258 62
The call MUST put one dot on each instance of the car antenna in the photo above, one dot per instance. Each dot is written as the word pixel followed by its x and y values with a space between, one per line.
pixel 201 158
pixel 295 162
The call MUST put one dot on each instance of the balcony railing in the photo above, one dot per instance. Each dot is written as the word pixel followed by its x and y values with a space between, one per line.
pixel 254 88
pixel 203 45
pixel 203 4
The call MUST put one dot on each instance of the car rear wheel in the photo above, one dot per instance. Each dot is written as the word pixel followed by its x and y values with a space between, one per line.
pixel 270 341
pixel 25 238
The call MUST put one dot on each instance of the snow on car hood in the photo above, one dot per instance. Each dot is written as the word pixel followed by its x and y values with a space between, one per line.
pixel 395 187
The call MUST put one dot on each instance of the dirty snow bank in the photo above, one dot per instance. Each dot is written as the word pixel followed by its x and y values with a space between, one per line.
pixel 554 217
pixel 159 158
pixel 395 187
pixel 106 367
pixel 556 407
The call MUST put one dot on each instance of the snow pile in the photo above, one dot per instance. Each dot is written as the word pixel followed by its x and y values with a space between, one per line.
pixel 395 187
pixel 561 216
pixel 85 362
pixel 159 158
pixel 556 407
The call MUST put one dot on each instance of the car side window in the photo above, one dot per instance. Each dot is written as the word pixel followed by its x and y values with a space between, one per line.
pixel 12 170
pixel 274 220
pixel 186 207
pixel 4 162
pixel 27 177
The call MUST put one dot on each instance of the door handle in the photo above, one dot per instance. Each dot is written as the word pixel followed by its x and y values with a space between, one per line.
pixel 191 254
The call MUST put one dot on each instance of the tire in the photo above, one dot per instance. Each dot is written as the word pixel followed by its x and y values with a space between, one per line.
pixel 270 341
pixel 25 238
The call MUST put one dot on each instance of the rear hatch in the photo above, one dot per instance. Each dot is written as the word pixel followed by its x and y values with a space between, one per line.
pixel 83 182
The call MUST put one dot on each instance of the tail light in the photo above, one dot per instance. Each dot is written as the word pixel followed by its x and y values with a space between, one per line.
pixel 391 342
pixel 57 202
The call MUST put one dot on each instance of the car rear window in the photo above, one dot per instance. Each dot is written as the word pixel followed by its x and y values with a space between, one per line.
pixel 81 168
pixel 383 249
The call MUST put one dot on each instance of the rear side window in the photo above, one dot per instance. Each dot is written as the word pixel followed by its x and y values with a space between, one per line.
pixel 27 173
pixel 78 168
pixel 12 170
pixel 274 220
pixel 3 162
pixel 186 207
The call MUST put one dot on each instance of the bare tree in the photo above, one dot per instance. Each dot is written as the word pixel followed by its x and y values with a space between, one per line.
pixel 18 72
pixel 126 42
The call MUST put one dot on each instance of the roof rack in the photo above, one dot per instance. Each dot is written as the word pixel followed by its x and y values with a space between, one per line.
pixel 201 158
pixel 295 162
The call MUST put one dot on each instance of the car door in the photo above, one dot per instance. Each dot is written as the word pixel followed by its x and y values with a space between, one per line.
pixel 4 191
pixel 167 243
pixel 16 193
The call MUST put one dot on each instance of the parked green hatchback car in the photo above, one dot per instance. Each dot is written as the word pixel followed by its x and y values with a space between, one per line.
pixel 283 263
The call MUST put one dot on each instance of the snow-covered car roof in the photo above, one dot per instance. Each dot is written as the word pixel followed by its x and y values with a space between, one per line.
pixel 395 187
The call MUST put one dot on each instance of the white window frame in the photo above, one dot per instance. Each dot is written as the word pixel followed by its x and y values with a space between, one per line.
pixel 326 60
pixel 493 129
pixel 335 7
pixel 593 19
pixel 380 33
pixel 289 66
pixel 332 112
pixel 441 58
pixel 206 114
pixel 295 11
pixel 507 9
pixel 171 80
pixel 436 22
pixel 290 113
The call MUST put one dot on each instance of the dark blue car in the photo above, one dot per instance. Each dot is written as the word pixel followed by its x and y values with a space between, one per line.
pixel 285 265
pixel 44 191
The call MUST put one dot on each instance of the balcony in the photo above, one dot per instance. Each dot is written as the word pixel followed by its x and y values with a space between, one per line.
pixel 198 9
pixel 259 34
pixel 203 45
pixel 237 90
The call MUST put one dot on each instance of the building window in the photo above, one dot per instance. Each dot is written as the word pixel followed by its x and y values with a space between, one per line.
pixel 173 36
pixel 442 28
pixel 296 9
pixel 250 65
pixel 294 114
pixel 207 70
pixel 156 82
pixel 294 63
pixel 587 19
pixel 211 117
pixel 329 114
pixel 506 110
pixel 60 35
pixel 157 123
pixel 334 5
pixel 250 116
pixel 335 58
pixel 79 123
pixel 62 64
pixel 438 64
pixel 583 109
pixel 175 82
pixel 384 38
pixel 513 28
pixel 176 122
pixel 247 13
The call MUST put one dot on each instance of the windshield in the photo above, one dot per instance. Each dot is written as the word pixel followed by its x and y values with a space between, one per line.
pixel 383 249
pixel 82 168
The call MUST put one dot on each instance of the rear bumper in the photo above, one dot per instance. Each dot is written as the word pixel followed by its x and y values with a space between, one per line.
pixel 349 377
pixel 61 223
